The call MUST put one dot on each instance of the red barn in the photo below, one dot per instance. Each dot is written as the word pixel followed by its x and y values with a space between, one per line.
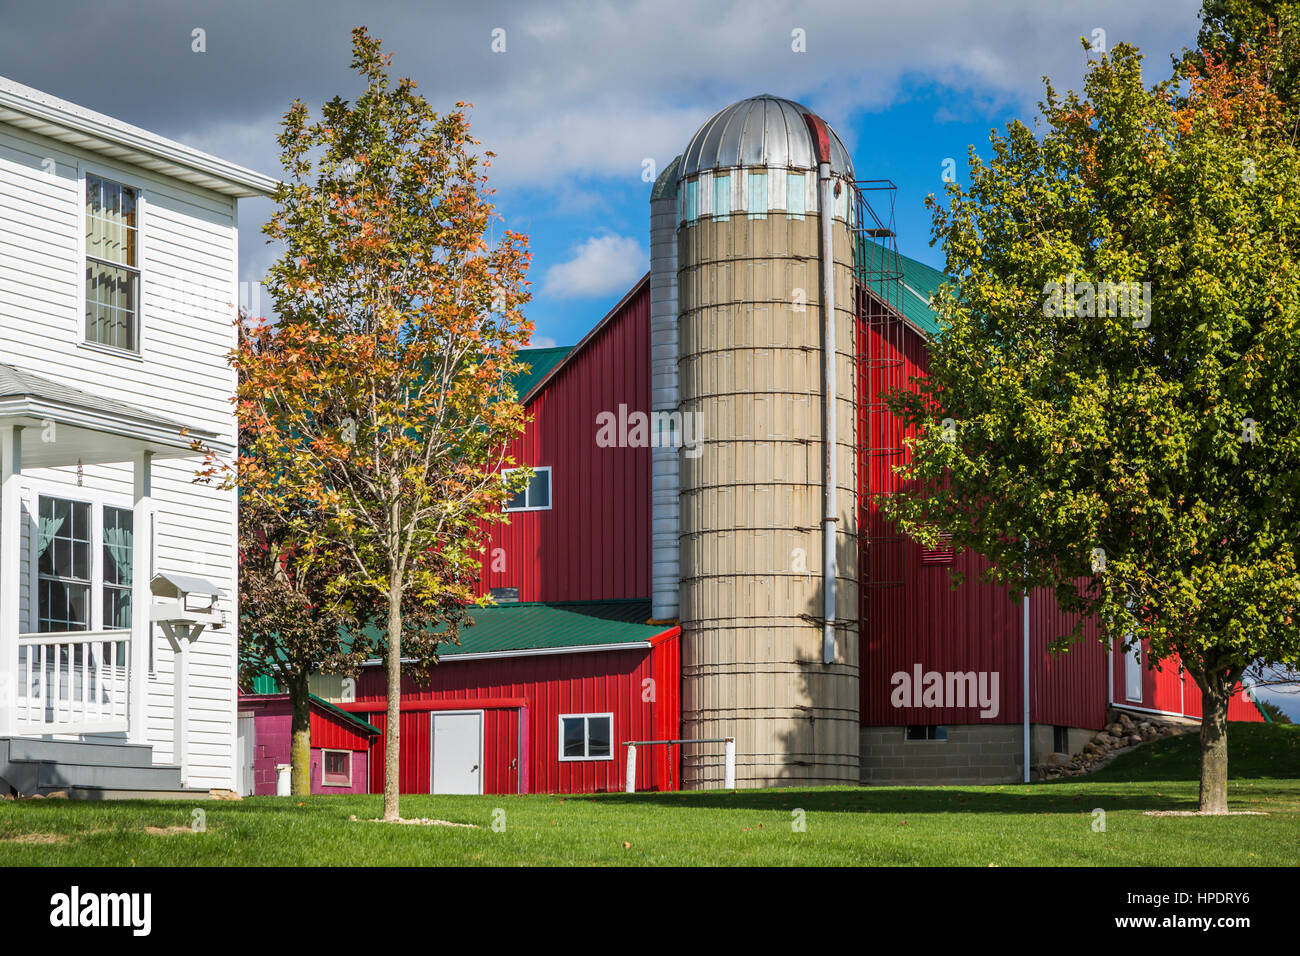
pixel 692 560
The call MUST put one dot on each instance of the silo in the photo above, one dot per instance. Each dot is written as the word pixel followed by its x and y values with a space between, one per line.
pixel 756 663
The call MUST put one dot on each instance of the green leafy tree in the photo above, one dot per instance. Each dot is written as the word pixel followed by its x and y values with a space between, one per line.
pixel 377 417
pixel 1112 409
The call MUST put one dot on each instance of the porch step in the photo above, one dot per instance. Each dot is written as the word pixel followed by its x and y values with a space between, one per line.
pixel 65 776
pixel 102 793
pixel 89 770
pixel 95 753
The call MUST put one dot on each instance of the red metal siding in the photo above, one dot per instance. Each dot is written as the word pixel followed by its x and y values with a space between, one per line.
pixel 1172 690
pixel 976 627
pixel 617 682
pixel 331 733
pixel 594 542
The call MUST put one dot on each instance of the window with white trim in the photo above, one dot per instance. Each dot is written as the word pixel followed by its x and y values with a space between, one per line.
pixel 78 589
pixel 536 495
pixel 336 768
pixel 586 736
pixel 112 264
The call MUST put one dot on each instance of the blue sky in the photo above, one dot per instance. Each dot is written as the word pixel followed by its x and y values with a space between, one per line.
pixel 575 96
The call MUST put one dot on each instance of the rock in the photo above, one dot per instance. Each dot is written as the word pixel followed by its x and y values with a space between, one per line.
pixel 1125 719
pixel 1115 730
pixel 57 795
pixel 1133 739
pixel 217 793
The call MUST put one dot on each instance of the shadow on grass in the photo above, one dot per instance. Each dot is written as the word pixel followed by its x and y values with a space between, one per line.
pixel 1065 797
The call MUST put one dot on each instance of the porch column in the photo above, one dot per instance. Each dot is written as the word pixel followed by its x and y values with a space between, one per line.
pixel 141 599
pixel 11 469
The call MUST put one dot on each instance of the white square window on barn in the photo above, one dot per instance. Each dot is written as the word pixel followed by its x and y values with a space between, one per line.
pixel 536 495
pixel 586 736
pixel 112 265
pixel 336 768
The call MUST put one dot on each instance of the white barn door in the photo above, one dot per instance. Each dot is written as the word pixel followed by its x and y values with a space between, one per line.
pixel 245 747
pixel 456 765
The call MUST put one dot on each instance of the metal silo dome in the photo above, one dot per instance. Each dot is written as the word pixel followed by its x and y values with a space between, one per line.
pixel 760 131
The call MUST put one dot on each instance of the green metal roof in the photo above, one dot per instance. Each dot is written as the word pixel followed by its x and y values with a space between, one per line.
pixel 267 685
pixel 552 625
pixel 919 283
pixel 540 364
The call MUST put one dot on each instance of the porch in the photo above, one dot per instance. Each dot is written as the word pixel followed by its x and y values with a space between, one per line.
pixel 74 659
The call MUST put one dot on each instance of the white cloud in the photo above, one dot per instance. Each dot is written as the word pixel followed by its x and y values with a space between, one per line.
pixel 600 265
pixel 542 342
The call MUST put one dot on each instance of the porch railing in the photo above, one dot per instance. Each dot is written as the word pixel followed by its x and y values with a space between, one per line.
pixel 73 683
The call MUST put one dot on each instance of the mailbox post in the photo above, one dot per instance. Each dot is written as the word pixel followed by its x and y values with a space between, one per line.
pixel 183 606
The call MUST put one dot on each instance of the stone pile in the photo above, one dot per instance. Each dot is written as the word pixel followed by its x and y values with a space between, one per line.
pixel 1120 734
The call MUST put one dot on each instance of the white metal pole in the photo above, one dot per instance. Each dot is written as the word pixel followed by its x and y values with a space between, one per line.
pixel 631 768
pixel 729 770
pixel 142 571
pixel 830 515
pixel 1025 681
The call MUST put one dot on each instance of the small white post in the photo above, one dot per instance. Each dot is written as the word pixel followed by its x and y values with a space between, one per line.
pixel 142 573
pixel 729 767
pixel 631 768
pixel 283 781
pixel 11 469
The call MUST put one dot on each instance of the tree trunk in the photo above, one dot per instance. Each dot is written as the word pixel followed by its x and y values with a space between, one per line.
pixel 1216 692
pixel 300 739
pixel 393 730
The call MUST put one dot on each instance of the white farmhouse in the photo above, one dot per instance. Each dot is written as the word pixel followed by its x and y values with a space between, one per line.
pixel 118 604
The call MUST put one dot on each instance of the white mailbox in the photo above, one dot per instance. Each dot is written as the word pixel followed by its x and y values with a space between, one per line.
pixel 181 599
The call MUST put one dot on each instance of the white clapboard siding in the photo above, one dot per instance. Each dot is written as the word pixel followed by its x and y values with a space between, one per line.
pixel 188 244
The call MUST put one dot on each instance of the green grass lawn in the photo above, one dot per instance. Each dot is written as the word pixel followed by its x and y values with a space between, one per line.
pixel 1037 824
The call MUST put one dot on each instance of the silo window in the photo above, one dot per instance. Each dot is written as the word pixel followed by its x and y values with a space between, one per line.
pixel 692 200
pixel 721 198
pixel 757 199
pixel 796 191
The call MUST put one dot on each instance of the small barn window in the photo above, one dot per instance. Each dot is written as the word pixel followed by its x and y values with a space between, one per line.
pixel 586 736
pixel 941 553
pixel 536 495
pixel 336 768
pixel 1060 739
pixel 925 732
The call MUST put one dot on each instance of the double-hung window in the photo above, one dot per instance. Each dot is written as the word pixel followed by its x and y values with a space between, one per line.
pixel 112 264
pixel 84 566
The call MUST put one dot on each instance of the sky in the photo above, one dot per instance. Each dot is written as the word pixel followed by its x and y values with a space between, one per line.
pixel 582 102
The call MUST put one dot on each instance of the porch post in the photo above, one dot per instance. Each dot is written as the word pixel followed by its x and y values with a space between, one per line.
pixel 11 469
pixel 141 598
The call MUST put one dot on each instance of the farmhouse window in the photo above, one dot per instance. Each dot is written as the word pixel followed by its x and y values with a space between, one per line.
pixel 586 736
pixel 70 576
pixel 112 264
